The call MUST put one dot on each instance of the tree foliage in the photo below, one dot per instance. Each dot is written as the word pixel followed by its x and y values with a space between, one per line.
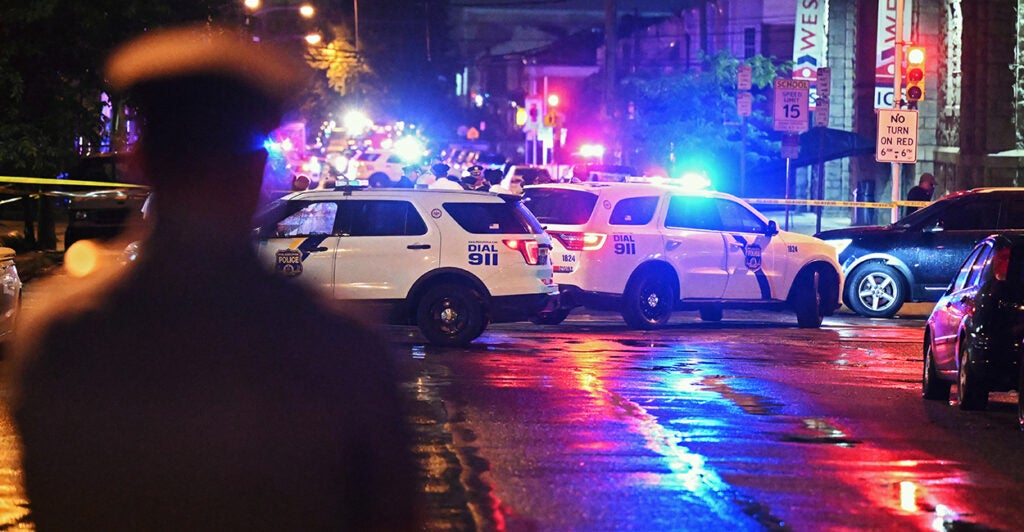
pixel 689 120
pixel 51 71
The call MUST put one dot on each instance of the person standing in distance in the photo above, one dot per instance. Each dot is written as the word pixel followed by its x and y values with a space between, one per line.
pixel 193 390
pixel 923 191
pixel 441 178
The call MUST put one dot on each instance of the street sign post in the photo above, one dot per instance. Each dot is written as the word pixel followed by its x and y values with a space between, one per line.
pixel 821 113
pixel 744 104
pixel 744 77
pixel 824 82
pixel 897 136
pixel 791 105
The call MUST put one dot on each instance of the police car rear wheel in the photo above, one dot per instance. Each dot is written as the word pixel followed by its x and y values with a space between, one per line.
pixel 451 315
pixel 648 301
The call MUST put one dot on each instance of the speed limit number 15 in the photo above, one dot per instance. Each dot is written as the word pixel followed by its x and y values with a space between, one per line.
pixel 791 105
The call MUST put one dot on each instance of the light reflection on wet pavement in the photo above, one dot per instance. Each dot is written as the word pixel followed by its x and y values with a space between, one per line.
pixel 734 426
pixel 742 425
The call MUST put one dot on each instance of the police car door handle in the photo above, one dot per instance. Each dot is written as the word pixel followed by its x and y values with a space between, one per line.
pixel 315 250
pixel 735 245
pixel 418 246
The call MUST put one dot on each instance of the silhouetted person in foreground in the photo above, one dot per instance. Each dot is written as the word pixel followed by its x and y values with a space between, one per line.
pixel 192 390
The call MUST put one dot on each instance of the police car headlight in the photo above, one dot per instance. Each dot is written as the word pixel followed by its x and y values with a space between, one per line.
pixel 839 243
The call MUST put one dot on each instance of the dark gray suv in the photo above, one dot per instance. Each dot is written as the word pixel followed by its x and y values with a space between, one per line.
pixel 915 258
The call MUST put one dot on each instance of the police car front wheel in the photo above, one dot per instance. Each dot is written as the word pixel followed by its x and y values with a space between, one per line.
pixel 451 315
pixel 807 300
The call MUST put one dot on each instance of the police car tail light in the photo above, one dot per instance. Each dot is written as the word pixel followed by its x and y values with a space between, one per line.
pixel 1001 263
pixel 580 241
pixel 530 249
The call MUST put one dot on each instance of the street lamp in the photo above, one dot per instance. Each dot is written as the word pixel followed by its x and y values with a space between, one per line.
pixel 254 8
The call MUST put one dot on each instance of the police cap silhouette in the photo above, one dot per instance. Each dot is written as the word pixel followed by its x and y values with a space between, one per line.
pixel 202 90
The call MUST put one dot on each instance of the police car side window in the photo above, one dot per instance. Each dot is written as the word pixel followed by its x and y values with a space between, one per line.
pixel 312 219
pixel 634 211
pixel 383 218
pixel 693 212
pixel 736 217
pixel 490 218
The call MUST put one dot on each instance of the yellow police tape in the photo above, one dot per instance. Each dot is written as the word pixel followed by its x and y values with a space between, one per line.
pixel 65 182
pixel 830 203
pixel 756 201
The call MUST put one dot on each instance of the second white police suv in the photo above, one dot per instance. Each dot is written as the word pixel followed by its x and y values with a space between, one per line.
pixel 646 250
pixel 449 261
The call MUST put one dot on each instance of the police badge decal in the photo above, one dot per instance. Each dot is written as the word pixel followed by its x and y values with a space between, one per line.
pixel 288 262
pixel 753 256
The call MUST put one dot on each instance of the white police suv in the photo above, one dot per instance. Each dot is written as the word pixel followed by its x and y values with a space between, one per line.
pixel 449 261
pixel 646 249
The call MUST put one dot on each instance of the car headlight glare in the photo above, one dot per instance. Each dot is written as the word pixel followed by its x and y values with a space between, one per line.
pixel 840 244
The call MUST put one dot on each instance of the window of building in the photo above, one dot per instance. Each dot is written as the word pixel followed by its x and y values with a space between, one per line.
pixel 749 42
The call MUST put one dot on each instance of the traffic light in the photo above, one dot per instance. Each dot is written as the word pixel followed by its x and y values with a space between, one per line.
pixel 915 73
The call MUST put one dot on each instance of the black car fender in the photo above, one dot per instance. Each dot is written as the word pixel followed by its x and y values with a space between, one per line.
pixel 888 260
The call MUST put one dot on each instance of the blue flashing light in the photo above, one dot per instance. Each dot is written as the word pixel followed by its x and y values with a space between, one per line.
pixel 694 181
pixel 409 149
pixel 273 148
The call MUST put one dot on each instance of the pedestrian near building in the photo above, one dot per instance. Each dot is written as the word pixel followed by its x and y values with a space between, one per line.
pixel 193 390
pixel 923 191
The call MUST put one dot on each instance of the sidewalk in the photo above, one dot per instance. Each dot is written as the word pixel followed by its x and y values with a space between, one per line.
pixel 806 222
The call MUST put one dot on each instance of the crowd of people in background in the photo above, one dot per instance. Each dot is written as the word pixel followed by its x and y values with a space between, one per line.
pixel 440 176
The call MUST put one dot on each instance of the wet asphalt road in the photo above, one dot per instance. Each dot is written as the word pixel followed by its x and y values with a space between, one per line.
pixel 748 424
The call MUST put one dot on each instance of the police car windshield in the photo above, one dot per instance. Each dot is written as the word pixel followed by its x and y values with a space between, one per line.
pixel 560 206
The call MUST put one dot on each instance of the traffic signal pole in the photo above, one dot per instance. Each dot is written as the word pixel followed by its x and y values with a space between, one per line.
pixel 897 103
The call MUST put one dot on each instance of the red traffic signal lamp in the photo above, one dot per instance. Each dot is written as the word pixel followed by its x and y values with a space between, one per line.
pixel 915 73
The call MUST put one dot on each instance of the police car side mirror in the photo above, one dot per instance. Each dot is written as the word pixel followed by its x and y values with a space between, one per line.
pixel 773 228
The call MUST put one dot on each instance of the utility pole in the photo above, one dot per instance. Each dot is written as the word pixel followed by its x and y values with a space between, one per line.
pixel 611 47
pixel 897 103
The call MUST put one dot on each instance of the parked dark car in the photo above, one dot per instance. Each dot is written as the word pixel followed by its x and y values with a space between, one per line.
pixel 974 334
pixel 914 258
pixel 107 213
